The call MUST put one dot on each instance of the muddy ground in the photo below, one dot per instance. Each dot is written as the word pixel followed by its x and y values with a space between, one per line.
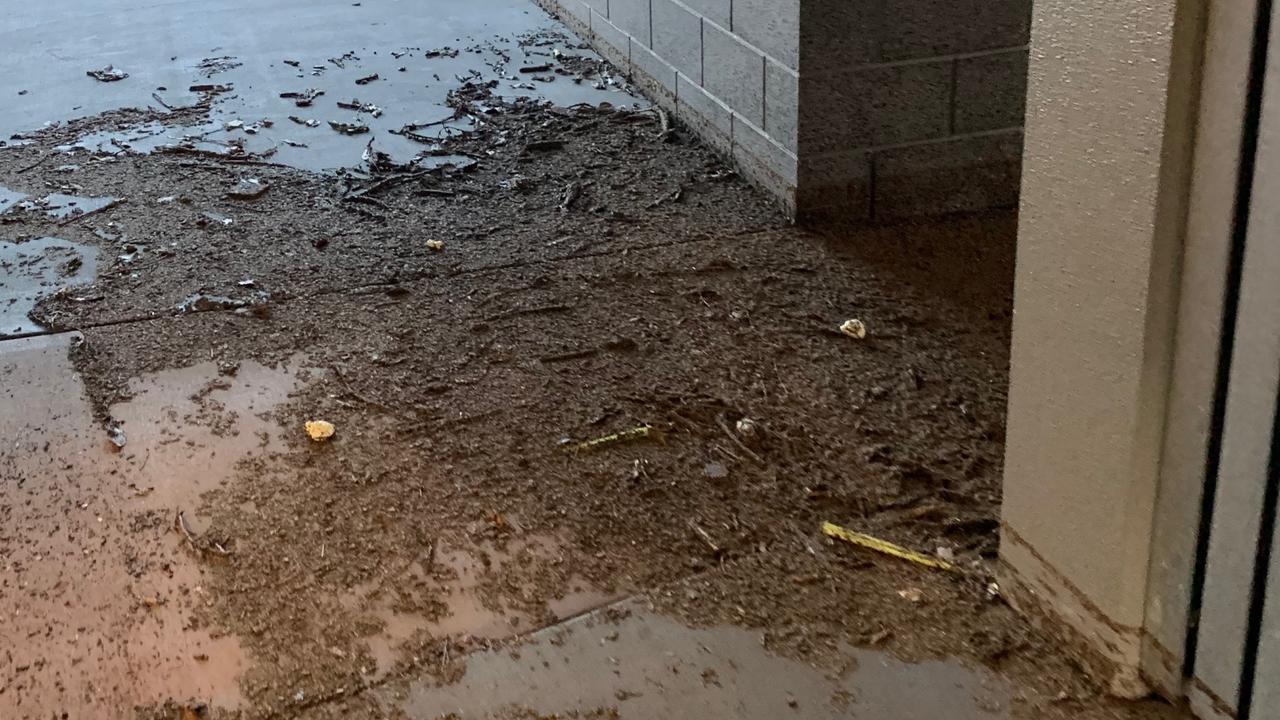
pixel 570 274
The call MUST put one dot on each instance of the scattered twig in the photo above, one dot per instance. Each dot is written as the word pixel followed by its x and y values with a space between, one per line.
pixel 388 182
pixel 342 380
pixel 365 199
pixel 215 548
pixel 741 446
pixel 36 164
pixel 726 452
pixel 693 427
pixel 467 419
pixel 246 159
pixel 565 357
pixel 163 104
pixel 706 538
pixel 528 311
pixel 95 211
pixel 434 192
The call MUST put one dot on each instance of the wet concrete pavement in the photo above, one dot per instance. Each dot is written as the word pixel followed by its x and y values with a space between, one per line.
pixel 418 53
pixel 35 268
pixel 649 666
pixel 93 579
pixel 100 583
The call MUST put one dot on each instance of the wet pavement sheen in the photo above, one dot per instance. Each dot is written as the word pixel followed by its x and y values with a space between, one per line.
pixel 418 51
pixel 649 666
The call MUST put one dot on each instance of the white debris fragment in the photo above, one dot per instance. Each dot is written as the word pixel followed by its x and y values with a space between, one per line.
pixel 854 328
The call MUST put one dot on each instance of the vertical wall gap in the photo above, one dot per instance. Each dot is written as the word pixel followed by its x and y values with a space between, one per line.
pixel 764 93
pixel 702 51
pixel 1230 313
pixel 1261 570
pixel 1271 491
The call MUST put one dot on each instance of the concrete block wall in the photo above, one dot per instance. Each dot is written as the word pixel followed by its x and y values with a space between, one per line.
pixel 868 110
pixel 729 69
pixel 911 107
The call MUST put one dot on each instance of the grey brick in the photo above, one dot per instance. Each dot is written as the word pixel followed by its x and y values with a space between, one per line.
pixel 751 141
pixel 717 11
pixel 876 106
pixel 835 186
pixel 765 162
pixel 771 25
pixel 958 175
pixel 781 104
pixel 631 17
pixel 840 33
pixel 677 37
pixel 991 92
pixel 709 117
pixel 661 74
pixel 576 9
pixel 733 72
pixel 611 42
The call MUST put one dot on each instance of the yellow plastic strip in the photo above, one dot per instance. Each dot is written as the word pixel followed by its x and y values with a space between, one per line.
pixel 639 433
pixel 884 546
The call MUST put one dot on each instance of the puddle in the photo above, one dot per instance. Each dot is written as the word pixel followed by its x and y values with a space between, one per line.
pixel 9 198
pixel 472 609
pixel 35 268
pixel 187 428
pixel 417 53
pixel 63 206
pixel 99 588
pixel 646 665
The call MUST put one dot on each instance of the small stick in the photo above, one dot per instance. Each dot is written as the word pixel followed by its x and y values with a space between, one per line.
pixel 578 355
pixel 528 311
pixel 342 380
pixel 35 164
pixel 81 216
pixel 706 537
pixel 191 539
pixel 693 427
pixel 729 433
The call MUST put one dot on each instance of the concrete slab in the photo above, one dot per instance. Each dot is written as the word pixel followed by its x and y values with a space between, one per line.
pixel 101 590
pixel 32 269
pixel 419 53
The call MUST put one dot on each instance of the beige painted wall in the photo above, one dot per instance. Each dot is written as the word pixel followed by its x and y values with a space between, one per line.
pixel 1108 139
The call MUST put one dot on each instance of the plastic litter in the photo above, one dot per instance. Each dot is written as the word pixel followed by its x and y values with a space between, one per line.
pixel 885 547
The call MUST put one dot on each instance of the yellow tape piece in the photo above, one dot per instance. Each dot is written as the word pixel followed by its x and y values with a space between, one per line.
pixel 640 433
pixel 884 546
